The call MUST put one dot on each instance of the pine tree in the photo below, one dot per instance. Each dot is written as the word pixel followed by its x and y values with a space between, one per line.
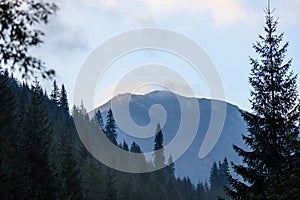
pixel 93 179
pixel 272 126
pixel 201 192
pixel 82 112
pixel 111 192
pixel 110 128
pixel 214 177
pixel 63 100
pixel 224 173
pixel 125 146
pixel 99 119
pixel 38 130
pixel 7 106
pixel 55 93
pixel 14 166
pixel 70 172
pixel 171 167
pixel 20 177
pixel 135 148
pixel 159 157
pixel 223 179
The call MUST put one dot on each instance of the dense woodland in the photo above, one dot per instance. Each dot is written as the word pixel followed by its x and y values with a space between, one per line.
pixel 42 156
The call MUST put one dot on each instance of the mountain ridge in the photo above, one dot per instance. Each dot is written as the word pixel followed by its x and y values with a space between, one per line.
pixel 189 163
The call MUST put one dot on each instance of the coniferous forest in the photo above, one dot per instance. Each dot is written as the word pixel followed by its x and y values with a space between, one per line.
pixel 42 156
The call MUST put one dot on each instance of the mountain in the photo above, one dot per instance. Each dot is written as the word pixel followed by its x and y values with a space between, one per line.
pixel 189 164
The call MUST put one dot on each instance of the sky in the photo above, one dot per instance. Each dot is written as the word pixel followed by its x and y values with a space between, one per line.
pixel 225 29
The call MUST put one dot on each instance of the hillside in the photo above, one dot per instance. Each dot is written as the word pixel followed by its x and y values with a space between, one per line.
pixel 189 164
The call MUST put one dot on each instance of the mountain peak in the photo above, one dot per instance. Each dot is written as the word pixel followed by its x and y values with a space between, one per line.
pixel 189 164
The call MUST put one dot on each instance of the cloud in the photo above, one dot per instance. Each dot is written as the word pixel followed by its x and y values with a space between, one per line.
pixel 223 13
pixel 63 32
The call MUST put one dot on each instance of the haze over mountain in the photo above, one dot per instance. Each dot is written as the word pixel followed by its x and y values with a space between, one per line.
pixel 189 164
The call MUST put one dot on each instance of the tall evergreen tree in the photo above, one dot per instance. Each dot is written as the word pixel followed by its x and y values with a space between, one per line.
pixel 93 179
pixel 38 130
pixel 224 173
pixel 158 155
pixel 214 177
pixel 171 167
pixel 20 167
pixel 54 96
pixel 110 128
pixel 70 172
pixel 7 105
pixel 15 170
pixel 125 146
pixel 135 148
pixel 99 119
pixel 63 100
pixel 272 126
pixel 201 192
pixel 111 191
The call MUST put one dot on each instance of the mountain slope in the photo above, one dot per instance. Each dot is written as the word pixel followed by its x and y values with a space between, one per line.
pixel 189 164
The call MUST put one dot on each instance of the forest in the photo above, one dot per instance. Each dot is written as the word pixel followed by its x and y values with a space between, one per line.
pixel 42 156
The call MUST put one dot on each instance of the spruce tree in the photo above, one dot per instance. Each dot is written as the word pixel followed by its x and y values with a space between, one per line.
pixel 272 124
pixel 110 128
pixel 20 177
pixel 8 106
pixel 15 168
pixel 54 96
pixel 63 100
pixel 93 179
pixel 158 155
pixel 171 167
pixel 214 177
pixel 135 148
pixel 70 172
pixel 110 189
pixel 125 146
pixel 99 119
pixel 223 179
pixel 38 130
pixel 201 192
pixel 224 173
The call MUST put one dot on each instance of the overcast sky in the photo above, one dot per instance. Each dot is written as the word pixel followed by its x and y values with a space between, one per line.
pixel 225 29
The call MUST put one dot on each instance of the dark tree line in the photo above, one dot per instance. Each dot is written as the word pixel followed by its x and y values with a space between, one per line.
pixel 42 156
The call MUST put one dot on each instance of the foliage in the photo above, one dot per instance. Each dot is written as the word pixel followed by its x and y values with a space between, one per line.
pixel 48 160
pixel 19 20
pixel 273 126
pixel 158 155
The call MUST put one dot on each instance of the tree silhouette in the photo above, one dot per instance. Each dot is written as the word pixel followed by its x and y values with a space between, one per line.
pixel 63 100
pixel 19 21
pixel 272 126
pixel 110 128
pixel 158 155
pixel 55 93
